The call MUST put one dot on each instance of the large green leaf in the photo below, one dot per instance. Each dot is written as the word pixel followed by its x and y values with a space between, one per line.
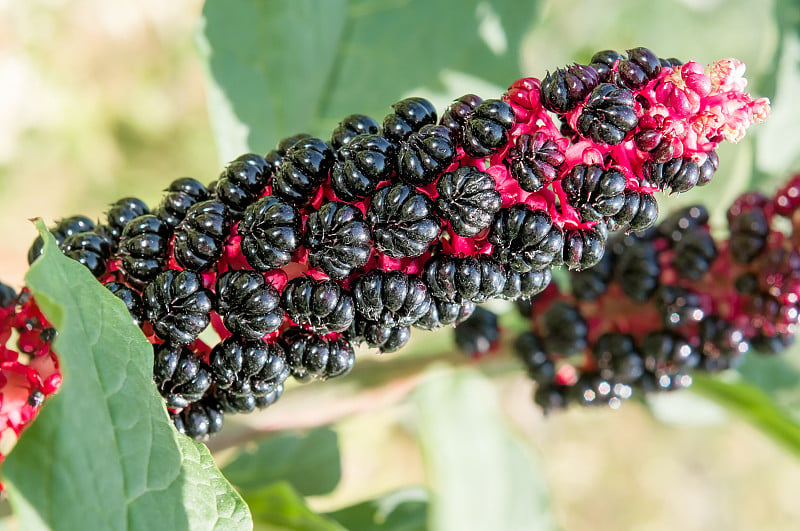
pixel 103 454
pixel 279 506
pixel 402 510
pixel 310 463
pixel 481 475
pixel 278 68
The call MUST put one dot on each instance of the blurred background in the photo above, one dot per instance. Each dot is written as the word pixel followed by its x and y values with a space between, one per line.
pixel 100 100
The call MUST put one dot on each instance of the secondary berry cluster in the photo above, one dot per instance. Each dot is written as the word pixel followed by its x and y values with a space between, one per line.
pixel 668 301
pixel 295 256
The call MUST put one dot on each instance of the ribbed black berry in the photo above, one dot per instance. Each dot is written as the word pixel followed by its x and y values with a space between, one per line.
pixel 595 192
pixel 424 154
pixel 351 127
pixel 121 212
pixel 275 157
pixel 200 238
pixel 181 377
pixel 478 333
pixel 682 222
pixel 311 356
pixel 640 67
pixel 694 254
pixel 668 353
pixel 452 278
pixel 242 181
pixel 617 358
pixel 271 230
pixel 530 350
pixel 303 170
pixel 337 239
pixel 408 115
pixel 637 270
pixel 131 298
pixel 563 329
pixel 565 88
pixel 179 197
pixel 608 114
pixel 178 306
pixel 249 306
pixel 639 211
pixel 143 248
pixel 456 114
pixel 678 306
pixel 60 231
pixel 679 174
pixel 486 128
pixel 200 419
pixel 534 161
pixel 723 344
pixel 443 313
pixel 386 338
pixel 589 284
pixel 583 248
pixel 246 370
pixel 708 168
pixel 361 166
pixel 91 249
pixel 748 235
pixel 320 304
pixel 391 298
pixel 524 238
pixel 603 62
pixel 525 285
pixel 403 221
pixel 468 199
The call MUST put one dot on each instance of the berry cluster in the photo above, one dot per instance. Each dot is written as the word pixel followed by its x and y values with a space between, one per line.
pixel 667 301
pixel 295 256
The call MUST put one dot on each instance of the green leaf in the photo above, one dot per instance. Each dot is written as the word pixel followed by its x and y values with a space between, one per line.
pixel 754 406
pixel 310 463
pixel 279 506
pixel 402 510
pixel 481 476
pixel 103 454
pixel 278 68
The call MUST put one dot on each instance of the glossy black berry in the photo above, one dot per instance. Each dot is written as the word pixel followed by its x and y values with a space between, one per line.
pixel 200 238
pixel 565 88
pixel 179 197
pixel 723 344
pixel 678 306
pixel 121 212
pixel 60 231
pixel 424 154
pixel 668 353
pixel 8 296
pixel 351 127
pixel 563 329
pixel 525 239
pixel 486 128
pixel 608 114
pixel 270 230
pixel 403 221
pixel 456 114
pixel 391 298
pixel 583 248
pixel 679 174
pixel 200 419
pixel 589 284
pixel 244 370
pixel 639 211
pixel 361 166
pixel 479 333
pixel 640 67
pixel 181 376
pixel 275 157
pixel 178 306
pixel 603 63
pixel 695 254
pixel 249 306
pixel 682 221
pixel 443 313
pixel 468 199
pixel 143 248
pixel 311 356
pixel 594 191
pixel 337 239
pixel 386 338
pixel 637 270
pixel 617 358
pixel 708 168
pixel 91 249
pixel 748 235
pixel 320 304
pixel 470 278
pixel 131 298
pixel 528 347
pixel 408 115
pixel 534 161
pixel 525 285
pixel 303 170
pixel 242 181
